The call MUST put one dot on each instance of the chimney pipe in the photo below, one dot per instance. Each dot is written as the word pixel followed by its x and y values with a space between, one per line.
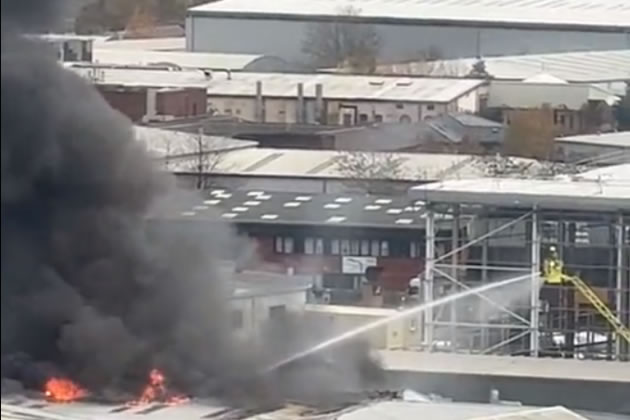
pixel 319 104
pixel 258 107
pixel 299 118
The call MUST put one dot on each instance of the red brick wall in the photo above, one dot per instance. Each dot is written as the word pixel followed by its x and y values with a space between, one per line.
pixel 132 103
pixel 181 102
pixel 395 275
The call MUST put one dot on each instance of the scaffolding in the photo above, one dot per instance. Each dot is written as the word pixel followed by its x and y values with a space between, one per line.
pixel 491 241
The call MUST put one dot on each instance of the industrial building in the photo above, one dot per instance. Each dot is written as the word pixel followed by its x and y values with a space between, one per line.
pixel 408 28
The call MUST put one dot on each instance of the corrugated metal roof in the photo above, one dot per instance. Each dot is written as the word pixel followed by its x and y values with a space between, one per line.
pixel 608 13
pixel 272 207
pixel 589 66
pixel 172 144
pixel 527 193
pixel 322 164
pixel 196 60
pixel 618 139
pixel 338 86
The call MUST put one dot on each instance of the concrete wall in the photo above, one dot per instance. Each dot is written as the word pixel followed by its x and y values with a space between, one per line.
pixel 284 38
pixel 279 110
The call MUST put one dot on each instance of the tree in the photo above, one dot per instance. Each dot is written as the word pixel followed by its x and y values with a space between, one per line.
pixel 115 15
pixel 530 134
pixel 623 110
pixel 343 43
pixel 371 172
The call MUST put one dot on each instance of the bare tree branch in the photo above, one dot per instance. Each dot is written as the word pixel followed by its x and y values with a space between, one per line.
pixel 342 43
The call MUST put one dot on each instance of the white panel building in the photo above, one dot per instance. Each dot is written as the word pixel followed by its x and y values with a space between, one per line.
pixel 455 28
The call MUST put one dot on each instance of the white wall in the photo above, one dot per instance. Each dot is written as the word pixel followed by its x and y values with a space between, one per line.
pixel 284 38
pixel 284 110
pixel 255 309
pixel 469 102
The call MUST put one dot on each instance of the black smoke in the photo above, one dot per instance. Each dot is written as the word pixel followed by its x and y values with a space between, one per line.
pixel 90 288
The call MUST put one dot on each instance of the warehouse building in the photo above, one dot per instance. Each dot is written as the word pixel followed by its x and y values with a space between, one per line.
pixel 408 29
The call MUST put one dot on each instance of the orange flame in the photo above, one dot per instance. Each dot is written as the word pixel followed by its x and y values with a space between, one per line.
pixel 156 391
pixel 63 390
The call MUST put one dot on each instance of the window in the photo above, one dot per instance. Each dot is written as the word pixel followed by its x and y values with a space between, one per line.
pixel 288 245
pixel 415 250
pixel 378 118
pixel 400 106
pixel 354 247
pixel 277 311
pixel 384 249
pixel 405 119
pixel 313 246
pixel 236 319
pixel 334 247
pixel 365 247
pixel 363 118
pixel 309 246
pixel 430 107
pixel 345 247
pixel 284 245
pixel 375 248
pixel 319 246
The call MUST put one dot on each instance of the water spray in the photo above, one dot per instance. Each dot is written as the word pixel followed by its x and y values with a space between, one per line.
pixel 384 321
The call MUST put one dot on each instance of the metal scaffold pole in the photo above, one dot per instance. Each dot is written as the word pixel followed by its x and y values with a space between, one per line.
pixel 534 294
pixel 619 273
pixel 428 275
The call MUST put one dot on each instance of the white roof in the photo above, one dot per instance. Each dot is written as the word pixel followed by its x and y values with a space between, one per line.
pixel 608 13
pixel 299 163
pixel 171 144
pixel 184 59
pixel 534 94
pixel 401 410
pixel 468 364
pixel 617 173
pixel 588 66
pixel 545 78
pixel 156 44
pixel 527 193
pixel 617 139
pixel 340 86
pixel 149 77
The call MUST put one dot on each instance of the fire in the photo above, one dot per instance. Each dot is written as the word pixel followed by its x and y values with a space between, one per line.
pixel 156 391
pixel 63 390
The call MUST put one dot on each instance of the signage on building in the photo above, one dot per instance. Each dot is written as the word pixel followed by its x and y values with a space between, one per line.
pixel 357 265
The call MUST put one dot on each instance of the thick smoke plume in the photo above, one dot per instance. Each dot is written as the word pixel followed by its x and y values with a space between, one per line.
pixel 90 288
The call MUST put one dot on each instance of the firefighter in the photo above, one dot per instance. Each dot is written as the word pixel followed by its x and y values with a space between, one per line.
pixel 553 267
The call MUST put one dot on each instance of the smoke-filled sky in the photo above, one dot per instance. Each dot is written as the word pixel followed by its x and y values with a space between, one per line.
pixel 88 290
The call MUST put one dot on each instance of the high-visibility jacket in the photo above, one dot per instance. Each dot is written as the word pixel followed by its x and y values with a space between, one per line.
pixel 553 270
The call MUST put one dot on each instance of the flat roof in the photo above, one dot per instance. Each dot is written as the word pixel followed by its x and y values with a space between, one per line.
pixel 618 173
pixel 584 66
pixel 139 77
pixel 289 208
pixel 184 59
pixel 580 13
pixel 520 366
pixel 619 139
pixel 301 163
pixel 342 86
pixel 155 44
pixel 561 194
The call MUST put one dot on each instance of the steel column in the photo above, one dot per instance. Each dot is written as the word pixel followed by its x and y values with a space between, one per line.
pixel 619 348
pixel 535 292
pixel 429 261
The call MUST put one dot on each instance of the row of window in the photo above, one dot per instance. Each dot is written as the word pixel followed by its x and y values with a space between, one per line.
pixel 358 247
